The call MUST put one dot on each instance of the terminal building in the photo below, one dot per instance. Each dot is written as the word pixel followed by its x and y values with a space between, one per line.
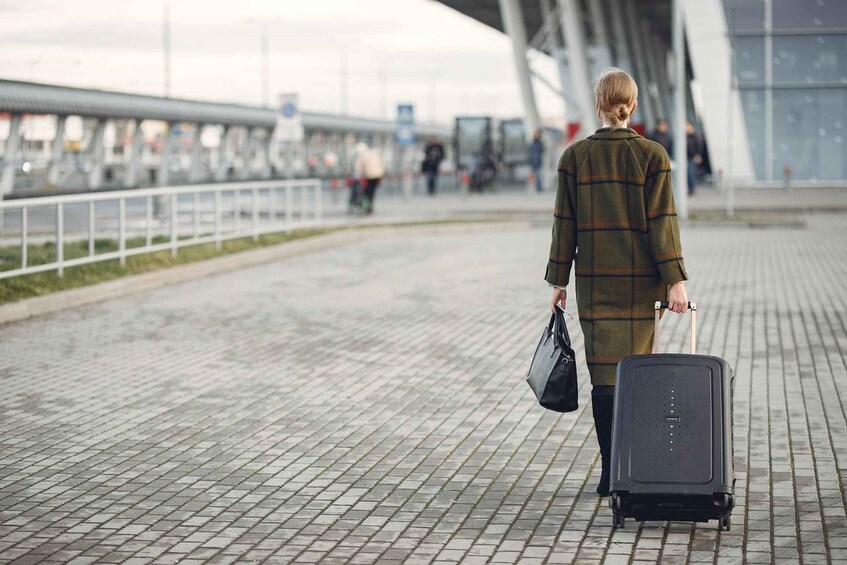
pixel 765 80
pixel 62 138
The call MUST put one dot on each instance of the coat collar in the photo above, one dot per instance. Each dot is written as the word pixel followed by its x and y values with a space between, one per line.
pixel 609 133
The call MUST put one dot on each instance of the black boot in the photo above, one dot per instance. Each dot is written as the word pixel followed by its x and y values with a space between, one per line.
pixel 602 403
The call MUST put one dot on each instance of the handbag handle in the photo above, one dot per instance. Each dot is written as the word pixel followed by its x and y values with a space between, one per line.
pixel 562 336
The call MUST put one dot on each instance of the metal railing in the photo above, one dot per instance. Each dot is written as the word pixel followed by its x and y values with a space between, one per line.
pixel 150 220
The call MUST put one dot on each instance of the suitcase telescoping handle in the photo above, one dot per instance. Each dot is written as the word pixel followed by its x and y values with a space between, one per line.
pixel 693 308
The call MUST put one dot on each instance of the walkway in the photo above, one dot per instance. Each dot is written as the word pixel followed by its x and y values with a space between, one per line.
pixel 367 404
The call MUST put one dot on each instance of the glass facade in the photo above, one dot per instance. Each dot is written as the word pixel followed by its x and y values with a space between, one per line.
pixel 791 70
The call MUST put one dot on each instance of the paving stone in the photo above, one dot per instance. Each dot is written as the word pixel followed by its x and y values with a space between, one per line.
pixel 366 404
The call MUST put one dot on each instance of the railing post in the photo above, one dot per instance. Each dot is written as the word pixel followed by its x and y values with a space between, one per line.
pixel 236 209
pixel 255 200
pixel 174 220
pixel 122 231
pixel 318 203
pixel 272 205
pixel 289 208
pixel 60 238
pixel 196 217
pixel 91 211
pixel 149 221
pixel 23 236
pixel 218 220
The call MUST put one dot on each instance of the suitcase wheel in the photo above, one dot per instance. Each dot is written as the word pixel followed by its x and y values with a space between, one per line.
pixel 725 523
pixel 618 520
pixel 615 501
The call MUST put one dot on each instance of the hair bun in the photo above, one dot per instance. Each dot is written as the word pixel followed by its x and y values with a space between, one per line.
pixel 622 112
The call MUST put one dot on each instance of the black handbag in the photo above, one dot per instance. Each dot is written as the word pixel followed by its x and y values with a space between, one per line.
pixel 552 374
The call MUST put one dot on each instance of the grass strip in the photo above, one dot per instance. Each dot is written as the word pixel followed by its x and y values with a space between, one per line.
pixel 39 284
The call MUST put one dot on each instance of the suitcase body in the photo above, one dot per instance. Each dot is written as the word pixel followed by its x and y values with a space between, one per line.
pixel 672 437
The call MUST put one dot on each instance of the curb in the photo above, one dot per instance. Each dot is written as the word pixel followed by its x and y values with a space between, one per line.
pixel 100 292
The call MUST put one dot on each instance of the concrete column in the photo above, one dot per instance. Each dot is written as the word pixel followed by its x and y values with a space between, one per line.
pixel 601 53
pixel 195 170
pixel 680 182
pixel 642 73
pixel 513 23
pixel 135 148
pixel 575 41
pixel 267 152
pixel 95 155
pixel 249 151
pixel 623 57
pixel 223 155
pixel 57 151
pixel 165 158
pixel 10 157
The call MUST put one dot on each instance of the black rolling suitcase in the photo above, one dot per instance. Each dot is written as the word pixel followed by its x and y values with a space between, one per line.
pixel 672 436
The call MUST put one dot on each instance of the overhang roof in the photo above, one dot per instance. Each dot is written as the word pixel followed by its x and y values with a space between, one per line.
pixel 657 12
pixel 36 98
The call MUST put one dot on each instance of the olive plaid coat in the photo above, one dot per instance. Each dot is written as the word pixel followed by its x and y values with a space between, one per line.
pixel 615 217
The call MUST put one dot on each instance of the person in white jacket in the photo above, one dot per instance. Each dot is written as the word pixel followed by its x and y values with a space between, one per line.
pixel 370 167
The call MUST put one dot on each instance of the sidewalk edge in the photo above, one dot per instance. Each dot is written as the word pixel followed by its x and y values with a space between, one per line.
pixel 100 292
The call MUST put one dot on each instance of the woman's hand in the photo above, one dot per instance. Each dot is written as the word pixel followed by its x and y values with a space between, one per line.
pixel 677 298
pixel 560 297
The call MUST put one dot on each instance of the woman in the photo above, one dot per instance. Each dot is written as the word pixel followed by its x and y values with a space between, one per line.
pixel 614 205
pixel 370 167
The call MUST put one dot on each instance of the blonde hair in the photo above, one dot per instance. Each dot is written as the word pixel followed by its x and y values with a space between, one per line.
pixel 614 96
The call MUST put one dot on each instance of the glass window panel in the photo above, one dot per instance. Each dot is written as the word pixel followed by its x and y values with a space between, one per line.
pixel 809 133
pixel 753 104
pixel 808 59
pixel 744 15
pixel 805 14
pixel 750 59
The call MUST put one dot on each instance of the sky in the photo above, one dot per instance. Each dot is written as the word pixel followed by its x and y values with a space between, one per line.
pixel 396 51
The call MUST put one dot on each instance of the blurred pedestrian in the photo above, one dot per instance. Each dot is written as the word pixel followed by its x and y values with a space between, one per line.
pixel 369 166
pixel 694 146
pixel 536 158
pixel 662 136
pixel 630 254
pixel 433 155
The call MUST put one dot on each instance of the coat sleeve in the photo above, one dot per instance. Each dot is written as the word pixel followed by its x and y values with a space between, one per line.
pixel 563 246
pixel 662 224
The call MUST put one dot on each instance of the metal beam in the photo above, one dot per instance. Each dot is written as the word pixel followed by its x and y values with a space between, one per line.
pixel 510 11
pixel 578 65
pixel 680 176
pixel 136 145
pixel 642 76
pixel 653 81
pixel 623 57
pixel 601 51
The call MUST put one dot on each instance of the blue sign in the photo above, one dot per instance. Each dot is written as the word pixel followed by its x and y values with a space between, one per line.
pixel 405 129
pixel 288 110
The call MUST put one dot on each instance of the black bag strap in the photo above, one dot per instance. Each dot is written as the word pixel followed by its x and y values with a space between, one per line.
pixel 560 332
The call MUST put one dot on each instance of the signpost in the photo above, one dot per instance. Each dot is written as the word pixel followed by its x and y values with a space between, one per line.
pixel 289 127
pixel 405 137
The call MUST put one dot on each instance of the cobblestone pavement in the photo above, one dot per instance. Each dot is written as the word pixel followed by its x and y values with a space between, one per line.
pixel 367 404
